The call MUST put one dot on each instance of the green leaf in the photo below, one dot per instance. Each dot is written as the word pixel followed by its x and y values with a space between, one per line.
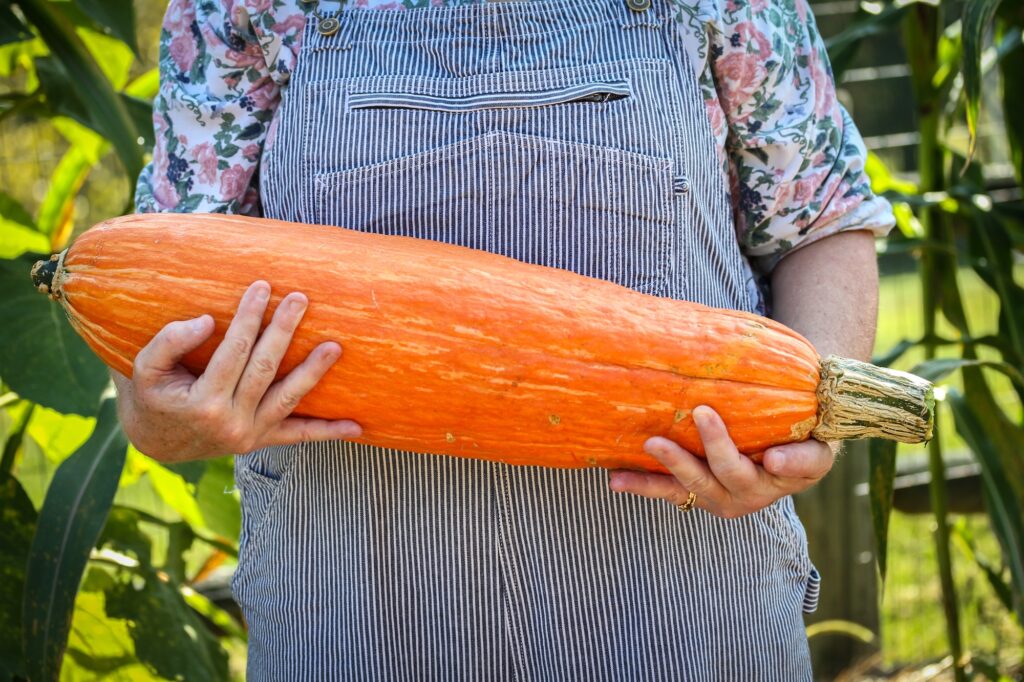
pixel 174 491
pixel 57 211
pixel 991 250
pixel 17 523
pixel 1011 68
pixel 1003 503
pixel 114 57
pixel 12 30
pixel 965 540
pixel 99 646
pixel 191 471
pixel 217 498
pixel 896 352
pixel 107 112
pixel 76 507
pixel 41 356
pixel 116 16
pixel 59 435
pixel 977 18
pixel 881 478
pixel 938 369
pixel 16 240
pixel 122 533
pixel 170 638
pixel 12 211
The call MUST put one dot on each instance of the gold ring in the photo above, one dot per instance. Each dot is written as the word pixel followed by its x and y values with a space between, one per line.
pixel 691 500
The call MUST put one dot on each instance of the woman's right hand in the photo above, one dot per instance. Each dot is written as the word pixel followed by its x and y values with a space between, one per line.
pixel 234 406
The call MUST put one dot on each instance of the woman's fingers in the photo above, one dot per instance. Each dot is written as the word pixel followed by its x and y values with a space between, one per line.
pixel 262 367
pixel 284 396
pixel 690 472
pixel 297 430
pixel 654 486
pixel 164 351
pixel 229 360
pixel 810 459
pixel 727 483
pixel 731 468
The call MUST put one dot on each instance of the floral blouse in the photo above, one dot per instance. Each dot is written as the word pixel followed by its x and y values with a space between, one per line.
pixel 791 156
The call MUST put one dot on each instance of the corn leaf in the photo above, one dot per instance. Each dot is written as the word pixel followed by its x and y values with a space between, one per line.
pixel 881 479
pixel 73 514
pixel 991 250
pixel 937 369
pixel 1003 502
pixel 977 18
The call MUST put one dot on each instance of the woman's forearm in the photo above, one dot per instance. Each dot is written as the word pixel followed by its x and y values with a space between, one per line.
pixel 828 291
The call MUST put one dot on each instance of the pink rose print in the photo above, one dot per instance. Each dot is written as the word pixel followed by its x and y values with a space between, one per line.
pixel 751 37
pixel 183 51
pixel 164 192
pixel 179 17
pixel 824 90
pixel 233 182
pixel 206 157
pixel 740 76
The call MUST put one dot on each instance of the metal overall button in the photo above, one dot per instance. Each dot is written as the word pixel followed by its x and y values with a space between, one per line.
pixel 638 5
pixel 325 26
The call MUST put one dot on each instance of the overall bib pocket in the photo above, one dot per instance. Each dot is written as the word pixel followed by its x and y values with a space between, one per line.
pixel 548 167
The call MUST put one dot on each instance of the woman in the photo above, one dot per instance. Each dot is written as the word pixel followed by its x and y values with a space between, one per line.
pixel 684 150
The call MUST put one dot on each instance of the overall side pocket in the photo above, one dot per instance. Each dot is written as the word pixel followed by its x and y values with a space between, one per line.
pixel 262 478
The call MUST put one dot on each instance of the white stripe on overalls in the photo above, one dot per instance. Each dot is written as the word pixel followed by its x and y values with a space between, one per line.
pixel 559 132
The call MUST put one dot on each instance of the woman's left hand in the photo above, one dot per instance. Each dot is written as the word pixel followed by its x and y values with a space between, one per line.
pixel 727 484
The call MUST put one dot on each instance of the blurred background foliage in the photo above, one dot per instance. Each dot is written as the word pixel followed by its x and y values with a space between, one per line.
pixel 114 566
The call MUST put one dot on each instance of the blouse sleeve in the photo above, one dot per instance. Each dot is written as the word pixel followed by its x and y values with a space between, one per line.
pixel 796 160
pixel 211 114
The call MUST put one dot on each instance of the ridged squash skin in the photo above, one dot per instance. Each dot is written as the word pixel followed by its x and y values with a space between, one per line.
pixel 450 350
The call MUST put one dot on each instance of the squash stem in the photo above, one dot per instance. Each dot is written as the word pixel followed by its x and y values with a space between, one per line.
pixel 46 274
pixel 860 400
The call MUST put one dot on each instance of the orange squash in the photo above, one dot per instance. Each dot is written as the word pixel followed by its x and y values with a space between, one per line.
pixel 454 351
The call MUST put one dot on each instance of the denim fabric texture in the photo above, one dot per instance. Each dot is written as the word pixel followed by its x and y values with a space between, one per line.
pixel 565 133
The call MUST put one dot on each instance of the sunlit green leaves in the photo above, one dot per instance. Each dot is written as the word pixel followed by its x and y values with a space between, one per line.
pixel 116 17
pixel 108 115
pixel 169 636
pixel 70 522
pixel 41 357
pixel 1003 501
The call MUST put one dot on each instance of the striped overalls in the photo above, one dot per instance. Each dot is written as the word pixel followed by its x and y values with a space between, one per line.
pixel 562 132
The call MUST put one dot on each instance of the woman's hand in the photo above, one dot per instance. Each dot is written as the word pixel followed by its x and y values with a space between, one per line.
pixel 234 406
pixel 727 484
